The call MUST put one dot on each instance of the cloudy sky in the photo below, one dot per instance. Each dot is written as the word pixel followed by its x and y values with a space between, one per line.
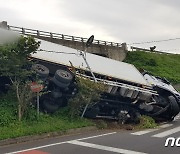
pixel 130 21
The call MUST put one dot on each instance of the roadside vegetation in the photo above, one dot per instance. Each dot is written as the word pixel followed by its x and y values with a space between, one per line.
pixel 164 65
pixel 89 92
pixel 11 127
pixel 146 122
pixel 18 116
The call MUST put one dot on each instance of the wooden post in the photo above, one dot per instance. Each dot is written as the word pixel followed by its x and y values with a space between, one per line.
pixel 37 105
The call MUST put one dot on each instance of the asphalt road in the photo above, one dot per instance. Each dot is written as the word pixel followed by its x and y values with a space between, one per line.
pixel 149 141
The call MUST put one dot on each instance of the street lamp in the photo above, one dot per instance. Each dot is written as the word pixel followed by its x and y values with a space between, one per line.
pixel 88 44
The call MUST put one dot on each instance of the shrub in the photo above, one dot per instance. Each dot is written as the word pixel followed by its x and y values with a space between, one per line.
pixel 101 124
pixel 88 93
pixel 6 117
pixel 147 122
pixel 7 111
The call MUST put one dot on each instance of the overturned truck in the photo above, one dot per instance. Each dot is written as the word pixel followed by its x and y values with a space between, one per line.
pixel 129 93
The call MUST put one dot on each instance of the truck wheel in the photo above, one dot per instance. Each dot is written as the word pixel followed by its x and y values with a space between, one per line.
pixel 60 84
pixel 41 70
pixel 63 76
pixel 174 107
pixel 56 93
pixel 50 106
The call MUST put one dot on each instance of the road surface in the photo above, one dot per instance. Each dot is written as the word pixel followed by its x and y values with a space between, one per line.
pixel 149 141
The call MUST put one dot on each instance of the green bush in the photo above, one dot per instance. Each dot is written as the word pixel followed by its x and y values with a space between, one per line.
pixel 101 124
pixel 6 117
pixel 7 110
pixel 147 122
pixel 88 93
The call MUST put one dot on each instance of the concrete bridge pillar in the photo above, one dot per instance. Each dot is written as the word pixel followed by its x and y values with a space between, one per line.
pixel 4 25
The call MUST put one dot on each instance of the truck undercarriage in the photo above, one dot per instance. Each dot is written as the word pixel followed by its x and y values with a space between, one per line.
pixel 122 101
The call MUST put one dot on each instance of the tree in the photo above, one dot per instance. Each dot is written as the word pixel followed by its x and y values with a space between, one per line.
pixel 14 64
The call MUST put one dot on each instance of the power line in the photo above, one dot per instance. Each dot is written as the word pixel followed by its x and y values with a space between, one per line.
pixel 155 41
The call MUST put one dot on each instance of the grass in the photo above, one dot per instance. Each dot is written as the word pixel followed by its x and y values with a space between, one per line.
pixel 10 127
pixel 164 65
pixel 48 124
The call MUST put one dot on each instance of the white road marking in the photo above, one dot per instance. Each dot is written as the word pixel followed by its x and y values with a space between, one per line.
pixel 105 148
pixel 95 136
pixel 168 132
pixel 177 117
pixel 35 148
pixel 151 130
pixel 54 144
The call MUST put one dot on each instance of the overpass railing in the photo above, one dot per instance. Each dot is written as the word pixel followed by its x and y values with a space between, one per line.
pixel 27 31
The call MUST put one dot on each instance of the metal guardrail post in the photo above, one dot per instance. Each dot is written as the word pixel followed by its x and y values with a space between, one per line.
pixel 51 35
pixel 62 37
pixel 23 31
pixel 38 34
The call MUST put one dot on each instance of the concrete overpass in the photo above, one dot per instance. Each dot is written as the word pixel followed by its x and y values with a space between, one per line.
pixel 111 50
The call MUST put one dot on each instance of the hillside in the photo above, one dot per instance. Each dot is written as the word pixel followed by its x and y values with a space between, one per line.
pixel 164 65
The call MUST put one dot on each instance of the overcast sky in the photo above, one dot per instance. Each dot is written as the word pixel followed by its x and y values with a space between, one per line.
pixel 120 21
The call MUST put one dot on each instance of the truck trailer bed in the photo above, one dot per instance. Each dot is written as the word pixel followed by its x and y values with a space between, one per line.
pixel 100 65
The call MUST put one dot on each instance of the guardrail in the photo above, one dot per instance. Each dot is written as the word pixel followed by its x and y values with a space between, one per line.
pixel 147 50
pixel 27 31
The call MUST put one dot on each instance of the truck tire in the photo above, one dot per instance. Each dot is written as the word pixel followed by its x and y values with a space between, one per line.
pixel 63 76
pixel 174 106
pixel 56 93
pixel 60 84
pixel 50 106
pixel 41 70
